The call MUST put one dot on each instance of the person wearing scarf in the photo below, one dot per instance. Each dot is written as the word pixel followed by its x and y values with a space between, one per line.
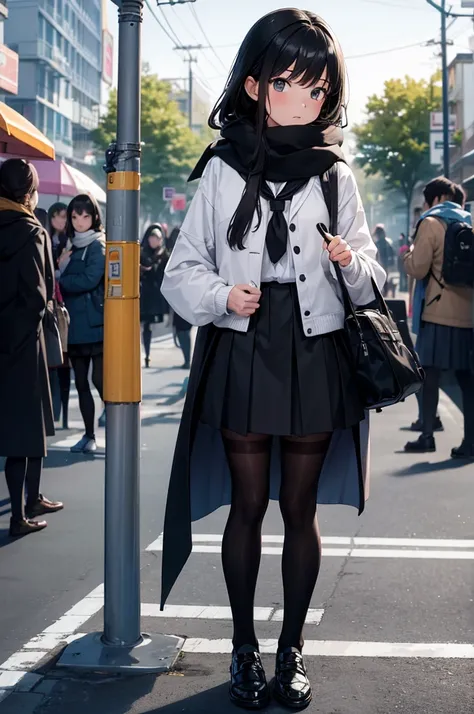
pixel 270 411
pixel 26 290
pixel 82 285
pixel 442 318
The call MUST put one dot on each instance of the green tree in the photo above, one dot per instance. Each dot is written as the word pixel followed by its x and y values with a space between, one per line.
pixel 394 141
pixel 170 149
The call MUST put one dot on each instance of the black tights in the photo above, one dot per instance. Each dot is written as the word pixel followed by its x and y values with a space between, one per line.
pixel 147 335
pixel 431 395
pixel 60 380
pixel 81 366
pixel 17 472
pixel 249 463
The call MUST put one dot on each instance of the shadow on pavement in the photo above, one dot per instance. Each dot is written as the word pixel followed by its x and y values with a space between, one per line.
pixel 426 467
pixel 57 458
pixel 170 418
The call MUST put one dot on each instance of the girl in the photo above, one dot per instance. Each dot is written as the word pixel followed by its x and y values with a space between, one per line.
pixel 271 410
pixel 27 285
pixel 153 259
pixel 82 286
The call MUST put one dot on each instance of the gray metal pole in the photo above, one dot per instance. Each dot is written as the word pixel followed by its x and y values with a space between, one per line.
pixel 121 647
pixel 444 54
pixel 122 538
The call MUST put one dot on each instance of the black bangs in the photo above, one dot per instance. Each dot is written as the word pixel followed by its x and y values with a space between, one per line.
pixel 271 47
pixel 312 50
pixel 84 203
pixel 307 49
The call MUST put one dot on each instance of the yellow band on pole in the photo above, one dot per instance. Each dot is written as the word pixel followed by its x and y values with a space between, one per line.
pixel 122 373
pixel 123 181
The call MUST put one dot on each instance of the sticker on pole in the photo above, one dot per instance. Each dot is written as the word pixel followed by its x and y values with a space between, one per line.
pixel 115 272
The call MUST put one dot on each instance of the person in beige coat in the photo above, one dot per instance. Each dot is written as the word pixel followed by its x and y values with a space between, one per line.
pixel 446 337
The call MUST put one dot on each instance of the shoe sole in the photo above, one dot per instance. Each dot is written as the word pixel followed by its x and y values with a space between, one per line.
pixel 290 704
pixel 245 705
pixel 33 530
pixel 44 513
pixel 419 451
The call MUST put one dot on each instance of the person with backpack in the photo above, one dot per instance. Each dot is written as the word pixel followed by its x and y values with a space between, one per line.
pixel 442 261
pixel 271 372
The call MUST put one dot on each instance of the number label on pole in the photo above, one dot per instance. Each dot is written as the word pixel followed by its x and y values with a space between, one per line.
pixel 114 283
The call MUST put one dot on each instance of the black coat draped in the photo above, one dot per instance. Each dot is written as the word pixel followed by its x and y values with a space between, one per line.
pixel 26 287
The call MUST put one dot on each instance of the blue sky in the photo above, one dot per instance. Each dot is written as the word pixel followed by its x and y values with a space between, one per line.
pixel 362 26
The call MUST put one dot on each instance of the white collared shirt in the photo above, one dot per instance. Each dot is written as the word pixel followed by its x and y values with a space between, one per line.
pixel 203 268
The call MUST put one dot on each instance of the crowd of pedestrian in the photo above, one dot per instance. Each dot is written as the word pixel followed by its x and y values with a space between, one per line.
pixel 52 277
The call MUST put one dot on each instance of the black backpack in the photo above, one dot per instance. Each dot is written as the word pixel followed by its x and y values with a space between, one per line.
pixel 458 262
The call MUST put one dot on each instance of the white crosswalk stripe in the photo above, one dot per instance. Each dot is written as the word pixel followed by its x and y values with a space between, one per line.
pixel 408 548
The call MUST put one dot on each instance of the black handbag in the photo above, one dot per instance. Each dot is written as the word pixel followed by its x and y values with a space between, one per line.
pixel 385 370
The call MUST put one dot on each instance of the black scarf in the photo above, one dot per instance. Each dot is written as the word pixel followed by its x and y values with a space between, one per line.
pixel 292 154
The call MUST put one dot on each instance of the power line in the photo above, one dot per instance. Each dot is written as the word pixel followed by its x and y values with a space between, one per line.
pixel 384 52
pixel 177 40
pixel 196 17
pixel 394 4
pixel 149 6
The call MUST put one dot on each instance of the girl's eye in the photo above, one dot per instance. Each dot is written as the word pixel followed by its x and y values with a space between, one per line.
pixel 318 94
pixel 279 85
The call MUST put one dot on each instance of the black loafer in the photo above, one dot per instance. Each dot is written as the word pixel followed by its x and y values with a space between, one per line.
pixel 425 444
pixel 465 451
pixel 291 687
pixel 248 684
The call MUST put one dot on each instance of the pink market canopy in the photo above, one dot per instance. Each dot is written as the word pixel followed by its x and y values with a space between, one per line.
pixel 61 180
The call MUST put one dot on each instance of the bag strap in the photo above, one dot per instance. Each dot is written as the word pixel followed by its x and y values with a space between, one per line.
pixel 330 187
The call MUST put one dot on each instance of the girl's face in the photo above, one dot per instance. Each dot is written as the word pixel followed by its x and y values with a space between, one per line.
pixel 155 241
pixel 288 102
pixel 58 221
pixel 81 222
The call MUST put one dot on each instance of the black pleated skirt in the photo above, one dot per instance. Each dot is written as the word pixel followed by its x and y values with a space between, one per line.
pixel 275 380
pixel 449 348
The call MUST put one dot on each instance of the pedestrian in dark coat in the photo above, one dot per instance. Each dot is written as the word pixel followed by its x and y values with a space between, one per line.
pixel 153 260
pixel 26 279
pixel 82 286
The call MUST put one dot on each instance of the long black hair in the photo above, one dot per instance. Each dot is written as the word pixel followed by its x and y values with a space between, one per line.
pixel 276 42
pixel 84 203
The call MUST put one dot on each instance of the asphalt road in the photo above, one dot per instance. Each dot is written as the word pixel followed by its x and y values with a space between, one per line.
pixel 393 619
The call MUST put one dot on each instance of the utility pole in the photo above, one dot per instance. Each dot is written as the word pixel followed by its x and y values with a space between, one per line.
pixel 121 647
pixel 444 59
pixel 190 60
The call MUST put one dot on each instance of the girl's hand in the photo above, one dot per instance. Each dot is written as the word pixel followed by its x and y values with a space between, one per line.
pixel 65 255
pixel 339 251
pixel 243 300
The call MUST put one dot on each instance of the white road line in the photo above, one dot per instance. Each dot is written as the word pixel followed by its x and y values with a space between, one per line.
pixel 157 544
pixel 335 648
pixel 212 612
pixel 350 552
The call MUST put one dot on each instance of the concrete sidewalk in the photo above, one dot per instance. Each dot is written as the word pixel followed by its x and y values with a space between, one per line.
pixel 390 626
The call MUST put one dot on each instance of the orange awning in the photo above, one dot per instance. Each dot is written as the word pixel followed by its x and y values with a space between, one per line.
pixel 19 137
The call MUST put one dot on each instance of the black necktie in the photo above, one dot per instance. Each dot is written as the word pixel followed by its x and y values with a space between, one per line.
pixel 277 231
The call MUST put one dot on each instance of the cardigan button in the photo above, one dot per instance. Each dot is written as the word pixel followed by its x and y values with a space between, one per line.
pixel 309 331
pixel 297 249
pixel 307 313
pixel 302 278
pixel 292 227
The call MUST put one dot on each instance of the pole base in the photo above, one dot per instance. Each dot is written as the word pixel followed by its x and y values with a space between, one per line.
pixel 156 653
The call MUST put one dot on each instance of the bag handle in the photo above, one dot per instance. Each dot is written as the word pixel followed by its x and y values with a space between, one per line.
pixel 330 187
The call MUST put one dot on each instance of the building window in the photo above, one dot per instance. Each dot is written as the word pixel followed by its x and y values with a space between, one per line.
pixel 40 116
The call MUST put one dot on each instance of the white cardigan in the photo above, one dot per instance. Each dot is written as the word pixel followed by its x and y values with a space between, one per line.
pixel 203 268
